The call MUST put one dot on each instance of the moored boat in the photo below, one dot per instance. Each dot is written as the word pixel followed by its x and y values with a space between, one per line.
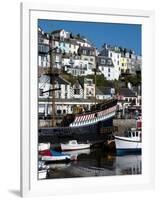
pixel 52 156
pixel 43 146
pixel 74 145
pixel 129 143
pixel 82 126
pixel 42 174
pixel 42 170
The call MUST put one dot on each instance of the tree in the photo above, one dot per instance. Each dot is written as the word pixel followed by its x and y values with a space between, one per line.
pixel 135 80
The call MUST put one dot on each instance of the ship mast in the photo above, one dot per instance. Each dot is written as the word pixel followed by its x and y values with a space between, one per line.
pixel 53 73
pixel 95 81
pixel 52 81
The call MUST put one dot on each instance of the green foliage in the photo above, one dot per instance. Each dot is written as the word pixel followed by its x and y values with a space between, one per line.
pixel 135 80
pixel 69 77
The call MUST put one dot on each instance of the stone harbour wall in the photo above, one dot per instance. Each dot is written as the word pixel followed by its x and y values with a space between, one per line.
pixel 123 125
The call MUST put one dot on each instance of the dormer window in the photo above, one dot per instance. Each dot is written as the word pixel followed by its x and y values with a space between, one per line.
pixel 102 61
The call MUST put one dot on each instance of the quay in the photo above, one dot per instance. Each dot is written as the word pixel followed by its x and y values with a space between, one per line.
pixel 124 124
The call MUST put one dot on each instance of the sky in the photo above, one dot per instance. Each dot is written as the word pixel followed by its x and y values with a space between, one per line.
pixel 124 35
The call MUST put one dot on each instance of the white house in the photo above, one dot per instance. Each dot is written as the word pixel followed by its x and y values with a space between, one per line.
pixel 43 49
pixel 77 90
pixel 115 55
pixel 62 92
pixel 89 88
pixel 60 34
pixel 83 42
pixel 45 87
pixel 106 66
pixel 76 66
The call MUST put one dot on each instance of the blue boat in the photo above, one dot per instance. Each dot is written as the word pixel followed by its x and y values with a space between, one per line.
pixel 52 156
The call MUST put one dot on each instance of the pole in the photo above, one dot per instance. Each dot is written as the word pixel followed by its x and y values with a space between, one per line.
pixel 95 87
pixel 95 79
pixel 52 76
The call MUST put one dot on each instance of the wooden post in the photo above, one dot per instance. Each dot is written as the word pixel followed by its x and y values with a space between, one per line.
pixel 95 79
pixel 52 76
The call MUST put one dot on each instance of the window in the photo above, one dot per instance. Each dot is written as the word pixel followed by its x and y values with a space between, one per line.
pixel 91 59
pixel 59 95
pixel 108 69
pixel 109 62
pixel 77 91
pixel 118 62
pixel 91 53
pixel 87 91
pixel 110 54
pixel 58 112
pixel 84 52
pixel 102 61
pixel 41 92
pixel 57 58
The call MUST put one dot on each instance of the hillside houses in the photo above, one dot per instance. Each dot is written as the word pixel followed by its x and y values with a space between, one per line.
pixel 106 66
pixel 75 55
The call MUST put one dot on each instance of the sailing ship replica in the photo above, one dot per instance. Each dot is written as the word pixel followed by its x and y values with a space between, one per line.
pixel 79 126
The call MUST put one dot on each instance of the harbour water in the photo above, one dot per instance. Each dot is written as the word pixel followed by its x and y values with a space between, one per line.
pixel 96 162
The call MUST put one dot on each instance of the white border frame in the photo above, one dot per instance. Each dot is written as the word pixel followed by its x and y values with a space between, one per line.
pixel 29 184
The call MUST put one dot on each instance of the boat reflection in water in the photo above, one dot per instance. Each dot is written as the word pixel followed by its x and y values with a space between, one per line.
pixel 96 162
pixel 128 164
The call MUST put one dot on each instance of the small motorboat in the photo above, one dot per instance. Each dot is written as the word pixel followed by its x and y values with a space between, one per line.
pixel 131 142
pixel 42 170
pixel 43 146
pixel 74 145
pixel 42 174
pixel 52 155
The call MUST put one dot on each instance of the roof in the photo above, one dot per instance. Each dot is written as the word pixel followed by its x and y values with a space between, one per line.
pixel 108 61
pixel 98 91
pixel 61 81
pixel 88 51
pixel 57 31
pixel 103 90
pixel 126 92
pixel 87 48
